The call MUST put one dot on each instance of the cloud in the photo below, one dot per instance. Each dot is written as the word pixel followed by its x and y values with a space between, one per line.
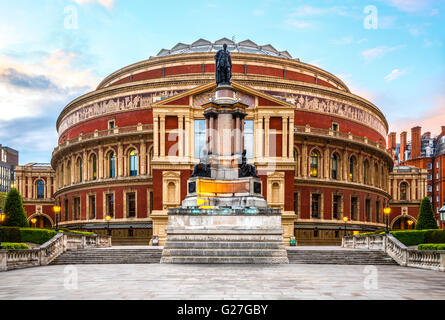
pixel 17 79
pixel 298 24
pixel 106 3
pixel 409 5
pixel 343 41
pixel 378 52
pixel 396 73
pixel 306 10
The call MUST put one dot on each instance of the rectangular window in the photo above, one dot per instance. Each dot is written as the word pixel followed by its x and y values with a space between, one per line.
pixel 315 206
pixel 377 211
pixel 151 201
pixel 368 210
pixel 336 207
pixel 334 126
pixel 92 207
pixel 110 204
pixel 430 188
pixel 67 218
pixel 76 208
pixel 437 164
pixel 430 177
pixel 296 203
pixel 200 137
pixel 131 205
pixel 248 138
pixel 354 208
pixel 111 124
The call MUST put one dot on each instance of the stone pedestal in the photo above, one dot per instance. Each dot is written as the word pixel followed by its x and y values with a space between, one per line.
pixel 243 236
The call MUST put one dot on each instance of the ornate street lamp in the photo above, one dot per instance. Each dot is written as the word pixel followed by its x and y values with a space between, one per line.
pixel 108 218
pixel 57 210
pixel 34 221
pixel 2 219
pixel 410 223
pixel 387 212
pixel 345 219
pixel 442 213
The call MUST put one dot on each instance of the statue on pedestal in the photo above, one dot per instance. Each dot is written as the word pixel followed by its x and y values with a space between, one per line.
pixel 245 169
pixel 223 66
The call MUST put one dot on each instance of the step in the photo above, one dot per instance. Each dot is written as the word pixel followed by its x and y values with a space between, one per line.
pixel 224 252
pixel 224 245
pixel 225 260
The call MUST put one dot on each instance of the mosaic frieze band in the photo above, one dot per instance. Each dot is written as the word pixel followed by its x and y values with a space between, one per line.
pixel 126 103
pixel 333 108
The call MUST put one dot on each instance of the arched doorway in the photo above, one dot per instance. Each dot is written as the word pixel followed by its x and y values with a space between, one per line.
pixel 404 223
pixel 43 221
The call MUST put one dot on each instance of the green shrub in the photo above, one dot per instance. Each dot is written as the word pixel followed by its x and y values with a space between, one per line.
pixel 431 246
pixel 15 214
pixel 10 234
pixel 14 246
pixel 38 236
pixel 77 232
pixel 435 236
pixel 426 218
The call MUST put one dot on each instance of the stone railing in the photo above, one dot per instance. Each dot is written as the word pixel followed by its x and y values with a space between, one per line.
pixel 423 259
pixel 46 253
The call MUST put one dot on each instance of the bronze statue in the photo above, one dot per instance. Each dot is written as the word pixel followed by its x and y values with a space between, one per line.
pixel 245 169
pixel 223 66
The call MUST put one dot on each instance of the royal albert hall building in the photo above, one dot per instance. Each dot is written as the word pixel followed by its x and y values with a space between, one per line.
pixel 128 148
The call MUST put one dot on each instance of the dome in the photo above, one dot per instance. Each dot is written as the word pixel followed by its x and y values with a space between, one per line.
pixel 246 46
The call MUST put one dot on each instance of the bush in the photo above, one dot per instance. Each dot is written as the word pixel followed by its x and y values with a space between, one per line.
pixel 14 246
pixel 431 246
pixel 426 218
pixel 78 232
pixel 38 236
pixel 410 237
pixel 15 214
pixel 435 236
pixel 10 234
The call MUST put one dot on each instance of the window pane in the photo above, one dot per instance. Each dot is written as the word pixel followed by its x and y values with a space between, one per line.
pixel 248 138
pixel 200 131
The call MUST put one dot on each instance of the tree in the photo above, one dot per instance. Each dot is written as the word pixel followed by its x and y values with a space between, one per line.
pixel 426 219
pixel 2 200
pixel 15 213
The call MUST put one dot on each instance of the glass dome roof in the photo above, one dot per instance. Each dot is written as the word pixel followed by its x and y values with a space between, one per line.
pixel 203 45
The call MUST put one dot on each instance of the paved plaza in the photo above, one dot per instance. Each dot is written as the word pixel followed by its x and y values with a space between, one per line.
pixel 217 282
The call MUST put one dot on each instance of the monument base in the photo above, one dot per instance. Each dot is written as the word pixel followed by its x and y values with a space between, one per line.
pixel 224 236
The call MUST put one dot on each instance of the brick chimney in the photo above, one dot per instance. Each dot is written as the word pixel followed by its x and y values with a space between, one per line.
pixel 402 146
pixel 416 142
pixel 392 140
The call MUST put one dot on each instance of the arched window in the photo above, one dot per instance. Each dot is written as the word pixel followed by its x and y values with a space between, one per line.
pixel 111 165
pixel 404 191
pixel 314 164
pixel 40 189
pixel 133 163
pixel 93 167
pixel 79 166
pixel 352 169
pixel 68 173
pixel 334 166
pixel 366 172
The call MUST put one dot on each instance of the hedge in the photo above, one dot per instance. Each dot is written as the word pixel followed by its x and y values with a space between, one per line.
pixel 431 246
pixel 416 237
pixel 78 232
pixel 14 246
pixel 38 236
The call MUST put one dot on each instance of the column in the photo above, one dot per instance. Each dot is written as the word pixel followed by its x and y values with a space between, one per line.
pixel 143 148
pixel 395 194
pixel 181 135
pixel 85 165
pixel 266 136
pixel 101 163
pixel 187 137
pixel 29 178
pixel 211 134
pixel 238 136
pixel 48 187
pixel 291 138
pixel 326 162
pixel 73 169
pixel 284 137
pixel 64 173
pixel 162 136
pixel 304 159
pixel 155 137
pixel 192 139
pixel 120 159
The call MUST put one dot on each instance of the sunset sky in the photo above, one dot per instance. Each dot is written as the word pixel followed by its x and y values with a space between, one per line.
pixel 56 50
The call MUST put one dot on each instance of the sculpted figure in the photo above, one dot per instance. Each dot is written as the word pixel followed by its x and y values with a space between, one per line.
pixel 223 66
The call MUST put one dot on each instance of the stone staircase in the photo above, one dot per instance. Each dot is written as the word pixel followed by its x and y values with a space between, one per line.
pixel 110 256
pixel 230 247
pixel 246 251
pixel 338 256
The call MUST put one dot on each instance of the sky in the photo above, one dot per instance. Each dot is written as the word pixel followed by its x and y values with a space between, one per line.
pixel 391 52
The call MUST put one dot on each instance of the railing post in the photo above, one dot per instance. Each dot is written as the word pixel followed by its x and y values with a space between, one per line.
pixel 43 261
pixel 3 260
pixel 442 262
pixel 354 242
pixel 367 242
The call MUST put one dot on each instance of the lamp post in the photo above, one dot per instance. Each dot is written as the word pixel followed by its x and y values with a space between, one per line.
pixel 57 210
pixel 2 219
pixel 34 221
pixel 345 219
pixel 387 212
pixel 108 218
pixel 410 223
pixel 442 214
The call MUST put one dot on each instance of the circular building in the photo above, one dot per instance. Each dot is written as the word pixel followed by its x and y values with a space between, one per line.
pixel 127 149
